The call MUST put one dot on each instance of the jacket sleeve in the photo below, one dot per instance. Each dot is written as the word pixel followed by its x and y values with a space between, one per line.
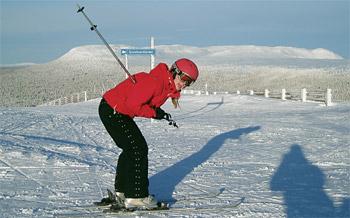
pixel 139 97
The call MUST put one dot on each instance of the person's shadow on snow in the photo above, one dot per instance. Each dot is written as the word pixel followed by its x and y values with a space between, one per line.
pixel 302 186
pixel 163 183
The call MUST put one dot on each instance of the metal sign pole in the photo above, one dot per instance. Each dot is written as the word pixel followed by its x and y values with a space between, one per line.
pixel 152 55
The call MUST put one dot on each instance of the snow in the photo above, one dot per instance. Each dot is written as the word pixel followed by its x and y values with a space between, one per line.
pixel 211 54
pixel 285 158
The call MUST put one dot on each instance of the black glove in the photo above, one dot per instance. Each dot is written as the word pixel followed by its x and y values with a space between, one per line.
pixel 160 114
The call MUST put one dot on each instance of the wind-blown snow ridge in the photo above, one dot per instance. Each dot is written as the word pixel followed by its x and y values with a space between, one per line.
pixel 219 52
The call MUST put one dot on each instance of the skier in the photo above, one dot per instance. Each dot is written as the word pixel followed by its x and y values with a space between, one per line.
pixel 144 98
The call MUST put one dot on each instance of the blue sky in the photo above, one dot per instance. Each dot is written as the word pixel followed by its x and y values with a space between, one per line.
pixel 40 31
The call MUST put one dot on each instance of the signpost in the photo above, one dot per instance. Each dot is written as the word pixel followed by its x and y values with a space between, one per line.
pixel 140 51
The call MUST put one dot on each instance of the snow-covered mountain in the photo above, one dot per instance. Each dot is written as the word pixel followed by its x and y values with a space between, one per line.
pixel 225 68
pixel 209 54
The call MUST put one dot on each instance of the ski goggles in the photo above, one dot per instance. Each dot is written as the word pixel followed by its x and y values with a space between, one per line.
pixel 183 76
pixel 186 79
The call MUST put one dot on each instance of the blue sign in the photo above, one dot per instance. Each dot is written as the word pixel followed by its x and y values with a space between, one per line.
pixel 138 51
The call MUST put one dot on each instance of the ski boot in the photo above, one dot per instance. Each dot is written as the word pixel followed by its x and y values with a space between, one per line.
pixel 147 203
pixel 117 198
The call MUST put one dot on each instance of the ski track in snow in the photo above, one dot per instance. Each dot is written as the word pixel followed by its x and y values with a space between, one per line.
pixel 286 159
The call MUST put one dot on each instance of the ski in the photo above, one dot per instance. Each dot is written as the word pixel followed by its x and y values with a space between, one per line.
pixel 107 203
pixel 166 208
pixel 118 209
pixel 111 199
pixel 162 207
pixel 233 204
pixel 213 194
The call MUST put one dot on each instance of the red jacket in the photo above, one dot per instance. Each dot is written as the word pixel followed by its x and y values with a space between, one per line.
pixel 151 90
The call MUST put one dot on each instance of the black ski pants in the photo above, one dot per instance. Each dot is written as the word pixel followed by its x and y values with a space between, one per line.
pixel 132 169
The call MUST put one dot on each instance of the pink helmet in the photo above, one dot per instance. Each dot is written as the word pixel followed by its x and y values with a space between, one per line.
pixel 187 67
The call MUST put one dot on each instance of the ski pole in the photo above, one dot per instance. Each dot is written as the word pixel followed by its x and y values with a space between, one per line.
pixel 173 123
pixel 94 28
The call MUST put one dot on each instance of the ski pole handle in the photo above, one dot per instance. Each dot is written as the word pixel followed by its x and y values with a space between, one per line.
pixel 94 28
pixel 172 122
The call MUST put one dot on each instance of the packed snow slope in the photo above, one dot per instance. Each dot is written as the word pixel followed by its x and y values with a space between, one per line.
pixel 284 158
